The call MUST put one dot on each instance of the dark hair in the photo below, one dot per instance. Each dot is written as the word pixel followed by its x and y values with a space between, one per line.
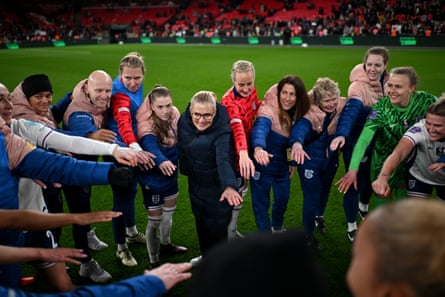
pixel 162 126
pixel 301 106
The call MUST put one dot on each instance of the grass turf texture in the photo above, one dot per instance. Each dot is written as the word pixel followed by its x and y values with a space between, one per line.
pixel 186 69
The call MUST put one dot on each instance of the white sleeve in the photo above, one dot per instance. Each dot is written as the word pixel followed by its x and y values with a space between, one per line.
pixel 47 138
pixel 29 130
pixel 135 146
pixel 416 133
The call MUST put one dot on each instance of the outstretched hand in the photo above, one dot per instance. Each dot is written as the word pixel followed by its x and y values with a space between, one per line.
pixel 104 135
pixel 126 156
pixel 247 168
pixel 146 160
pixel 435 167
pixel 95 217
pixel 298 153
pixel 167 168
pixel 337 143
pixel 344 183
pixel 43 185
pixel 232 197
pixel 262 156
pixel 171 274
pixel 62 255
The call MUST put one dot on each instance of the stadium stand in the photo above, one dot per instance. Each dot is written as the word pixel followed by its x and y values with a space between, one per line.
pixel 92 19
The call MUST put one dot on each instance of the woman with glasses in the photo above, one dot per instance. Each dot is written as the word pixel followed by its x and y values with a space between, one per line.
pixel 206 155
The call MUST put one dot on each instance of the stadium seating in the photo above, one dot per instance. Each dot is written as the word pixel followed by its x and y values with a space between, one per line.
pixel 29 20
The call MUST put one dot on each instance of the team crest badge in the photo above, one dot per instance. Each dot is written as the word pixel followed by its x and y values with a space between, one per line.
pixel 155 198
pixel 440 151
pixel 411 183
pixel 309 173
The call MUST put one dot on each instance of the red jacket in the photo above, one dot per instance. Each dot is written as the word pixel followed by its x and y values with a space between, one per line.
pixel 242 112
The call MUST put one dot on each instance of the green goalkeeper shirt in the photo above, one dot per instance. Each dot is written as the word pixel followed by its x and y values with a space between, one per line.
pixel 387 123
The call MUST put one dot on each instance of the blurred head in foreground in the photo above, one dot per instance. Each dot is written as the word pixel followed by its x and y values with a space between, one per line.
pixel 400 251
pixel 261 264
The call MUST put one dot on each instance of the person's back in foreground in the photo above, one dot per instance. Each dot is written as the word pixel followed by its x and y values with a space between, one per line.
pixel 400 251
pixel 261 264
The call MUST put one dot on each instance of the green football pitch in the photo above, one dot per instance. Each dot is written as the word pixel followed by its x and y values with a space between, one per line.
pixel 185 69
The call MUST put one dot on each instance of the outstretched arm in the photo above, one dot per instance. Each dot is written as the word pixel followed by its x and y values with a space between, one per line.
pixel 21 219
pixel 154 283
pixel 400 153
pixel 299 133
pixel 9 254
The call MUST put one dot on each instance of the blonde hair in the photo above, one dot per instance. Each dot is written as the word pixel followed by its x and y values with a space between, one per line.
pixel 324 87
pixel 204 97
pixel 132 60
pixel 408 240
pixel 242 66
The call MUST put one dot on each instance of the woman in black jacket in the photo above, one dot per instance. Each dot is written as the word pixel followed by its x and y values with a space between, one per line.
pixel 206 158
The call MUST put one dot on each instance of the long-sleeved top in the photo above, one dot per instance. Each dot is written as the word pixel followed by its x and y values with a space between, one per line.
pixel 387 124
pixel 124 105
pixel 138 286
pixel 165 149
pixel 58 109
pixel 30 194
pixel 21 158
pixel 363 93
pixel 269 134
pixel 207 156
pixel 316 129
pixel 242 112
pixel 82 117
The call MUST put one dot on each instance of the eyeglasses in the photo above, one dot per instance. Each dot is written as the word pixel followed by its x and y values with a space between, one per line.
pixel 205 116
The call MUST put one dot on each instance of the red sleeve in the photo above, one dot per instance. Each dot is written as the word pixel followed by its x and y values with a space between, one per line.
pixel 120 106
pixel 242 112
pixel 236 121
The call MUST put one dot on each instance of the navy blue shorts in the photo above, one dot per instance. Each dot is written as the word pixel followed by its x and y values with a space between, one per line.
pixel 154 200
pixel 420 189
pixel 40 239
